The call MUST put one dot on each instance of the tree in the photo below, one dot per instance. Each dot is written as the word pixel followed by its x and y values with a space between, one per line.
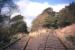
pixel 11 28
pixel 18 25
pixel 68 15
pixel 44 20
pixel 1 18
pixel 22 27
pixel 4 30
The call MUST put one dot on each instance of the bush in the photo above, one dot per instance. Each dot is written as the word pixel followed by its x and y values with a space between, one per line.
pixel 71 39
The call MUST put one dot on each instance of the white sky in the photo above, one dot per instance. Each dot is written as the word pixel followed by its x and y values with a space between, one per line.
pixel 31 9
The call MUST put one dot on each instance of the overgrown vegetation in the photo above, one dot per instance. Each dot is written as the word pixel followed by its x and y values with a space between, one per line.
pixel 10 27
pixel 51 19
pixel 48 19
pixel 71 38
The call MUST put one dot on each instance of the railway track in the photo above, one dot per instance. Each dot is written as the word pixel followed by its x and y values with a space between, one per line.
pixel 26 43
pixel 66 44
pixel 52 42
pixel 15 44
pixel 46 41
pixel 64 47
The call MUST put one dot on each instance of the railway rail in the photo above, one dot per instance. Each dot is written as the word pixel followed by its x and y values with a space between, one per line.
pixel 50 41
pixel 11 44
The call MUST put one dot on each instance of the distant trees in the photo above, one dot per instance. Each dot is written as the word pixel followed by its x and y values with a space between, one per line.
pixel 44 20
pixel 1 18
pixel 12 27
pixel 18 25
pixel 51 19
pixel 68 15
pixel 4 29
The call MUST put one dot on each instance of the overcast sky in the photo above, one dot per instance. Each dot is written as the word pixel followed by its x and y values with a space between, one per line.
pixel 30 9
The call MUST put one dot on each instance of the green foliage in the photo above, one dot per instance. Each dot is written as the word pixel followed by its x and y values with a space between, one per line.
pixel 15 25
pixel 68 15
pixel 4 31
pixel 1 18
pixel 4 37
pixel 22 27
pixel 17 18
pixel 19 25
pixel 50 19
pixel 46 20
pixel 71 39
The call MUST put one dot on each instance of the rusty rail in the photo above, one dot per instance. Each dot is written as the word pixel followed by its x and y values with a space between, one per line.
pixel 66 48
pixel 46 41
pixel 26 43
pixel 10 44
